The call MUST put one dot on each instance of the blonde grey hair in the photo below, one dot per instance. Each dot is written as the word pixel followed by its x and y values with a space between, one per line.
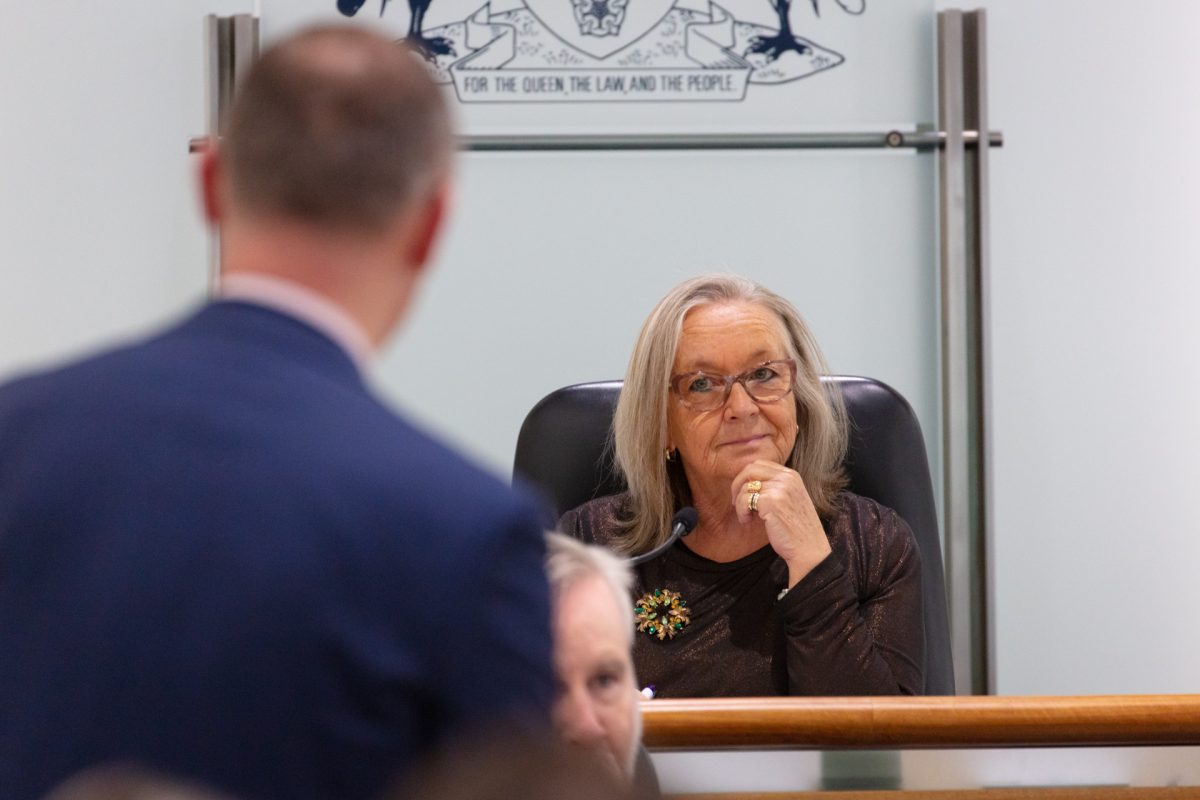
pixel 656 488
pixel 568 561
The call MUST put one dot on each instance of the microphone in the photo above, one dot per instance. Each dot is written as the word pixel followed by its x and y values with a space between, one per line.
pixel 682 524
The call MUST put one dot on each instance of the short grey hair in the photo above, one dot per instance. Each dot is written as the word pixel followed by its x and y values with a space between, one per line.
pixel 336 126
pixel 640 422
pixel 569 561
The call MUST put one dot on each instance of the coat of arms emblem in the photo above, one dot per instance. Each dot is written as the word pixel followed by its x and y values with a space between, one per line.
pixel 541 51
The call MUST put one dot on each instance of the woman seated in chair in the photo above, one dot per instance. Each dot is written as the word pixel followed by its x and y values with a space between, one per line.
pixel 788 584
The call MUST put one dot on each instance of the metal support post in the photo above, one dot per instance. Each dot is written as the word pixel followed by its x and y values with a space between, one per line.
pixel 962 105
pixel 231 46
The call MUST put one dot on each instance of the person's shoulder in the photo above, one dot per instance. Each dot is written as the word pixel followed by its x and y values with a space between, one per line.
pixel 598 521
pixel 114 362
pixel 71 380
pixel 871 527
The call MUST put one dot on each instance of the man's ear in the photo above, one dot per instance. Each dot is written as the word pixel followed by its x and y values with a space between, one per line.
pixel 428 222
pixel 208 175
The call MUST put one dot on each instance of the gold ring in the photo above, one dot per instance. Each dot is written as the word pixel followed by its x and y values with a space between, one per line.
pixel 754 501
pixel 754 486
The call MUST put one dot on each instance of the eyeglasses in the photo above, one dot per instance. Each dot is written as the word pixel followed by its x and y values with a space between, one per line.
pixel 765 383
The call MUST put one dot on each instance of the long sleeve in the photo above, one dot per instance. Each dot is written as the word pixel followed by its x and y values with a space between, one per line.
pixel 853 625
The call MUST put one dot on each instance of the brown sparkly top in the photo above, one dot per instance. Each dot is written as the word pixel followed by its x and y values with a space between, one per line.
pixel 852 626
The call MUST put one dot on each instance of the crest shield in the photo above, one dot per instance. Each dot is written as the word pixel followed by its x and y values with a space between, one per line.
pixel 599 27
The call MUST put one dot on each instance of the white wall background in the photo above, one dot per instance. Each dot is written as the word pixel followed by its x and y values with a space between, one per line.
pixel 555 260
pixel 97 215
pixel 1094 254
pixel 1095 248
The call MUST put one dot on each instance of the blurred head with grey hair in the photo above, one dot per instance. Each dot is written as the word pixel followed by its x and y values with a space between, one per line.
pixel 596 703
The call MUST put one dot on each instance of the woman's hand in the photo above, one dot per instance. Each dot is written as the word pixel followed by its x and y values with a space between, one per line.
pixel 787 512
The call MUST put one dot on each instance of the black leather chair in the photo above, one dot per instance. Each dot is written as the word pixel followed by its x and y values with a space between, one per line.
pixel 564 449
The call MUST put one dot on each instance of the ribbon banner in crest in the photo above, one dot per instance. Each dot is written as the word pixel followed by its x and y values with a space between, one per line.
pixel 578 51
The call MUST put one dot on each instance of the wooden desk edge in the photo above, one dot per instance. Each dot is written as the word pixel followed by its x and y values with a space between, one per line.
pixel 921 722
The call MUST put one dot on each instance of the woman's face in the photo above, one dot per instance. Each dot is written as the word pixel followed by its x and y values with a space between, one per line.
pixel 728 339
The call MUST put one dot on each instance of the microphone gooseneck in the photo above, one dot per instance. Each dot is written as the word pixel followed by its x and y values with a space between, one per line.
pixel 683 523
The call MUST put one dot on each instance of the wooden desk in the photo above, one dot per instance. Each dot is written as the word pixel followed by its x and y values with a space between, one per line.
pixel 914 722
pixel 993 748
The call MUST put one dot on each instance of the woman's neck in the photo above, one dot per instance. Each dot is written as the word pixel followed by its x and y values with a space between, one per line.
pixel 719 536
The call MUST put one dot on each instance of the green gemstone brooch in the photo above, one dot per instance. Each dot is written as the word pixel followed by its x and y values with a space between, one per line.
pixel 661 614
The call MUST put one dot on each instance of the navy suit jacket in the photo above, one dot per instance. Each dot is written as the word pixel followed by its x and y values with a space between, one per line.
pixel 221 557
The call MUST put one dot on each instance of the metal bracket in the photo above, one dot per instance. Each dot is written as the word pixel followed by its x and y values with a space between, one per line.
pixel 919 139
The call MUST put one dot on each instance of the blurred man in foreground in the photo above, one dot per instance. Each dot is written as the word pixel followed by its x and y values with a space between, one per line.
pixel 220 556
